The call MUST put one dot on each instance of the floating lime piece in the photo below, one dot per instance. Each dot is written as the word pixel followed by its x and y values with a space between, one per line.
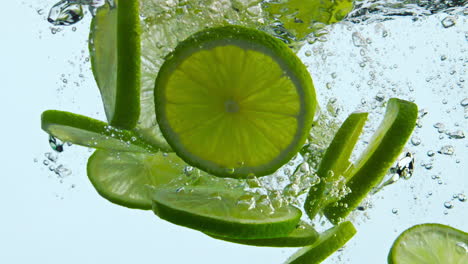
pixel 334 163
pixel 430 244
pixel 220 212
pixel 383 149
pixel 328 242
pixel 303 235
pixel 234 102
pixel 115 60
pixel 85 131
pixel 129 179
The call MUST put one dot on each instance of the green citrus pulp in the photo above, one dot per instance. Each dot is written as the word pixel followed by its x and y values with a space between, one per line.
pixel 234 102
pixel 430 244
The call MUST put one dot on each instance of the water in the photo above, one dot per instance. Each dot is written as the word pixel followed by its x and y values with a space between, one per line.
pixel 415 50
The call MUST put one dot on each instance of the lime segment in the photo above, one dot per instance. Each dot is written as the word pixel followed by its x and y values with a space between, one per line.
pixel 383 149
pixel 234 101
pixel 220 212
pixel 85 131
pixel 328 242
pixel 303 235
pixel 430 244
pixel 334 163
pixel 129 179
pixel 115 59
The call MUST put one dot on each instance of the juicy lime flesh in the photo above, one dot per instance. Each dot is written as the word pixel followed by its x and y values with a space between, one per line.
pixel 129 179
pixel 217 212
pixel 329 241
pixel 430 244
pixel 232 106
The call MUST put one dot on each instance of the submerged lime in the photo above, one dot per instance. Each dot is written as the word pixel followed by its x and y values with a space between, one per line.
pixel 234 102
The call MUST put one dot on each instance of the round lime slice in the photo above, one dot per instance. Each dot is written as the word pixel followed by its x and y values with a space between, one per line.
pixel 234 102
pixel 334 163
pixel 383 149
pixel 430 244
pixel 85 131
pixel 328 242
pixel 115 59
pixel 303 235
pixel 220 212
pixel 129 179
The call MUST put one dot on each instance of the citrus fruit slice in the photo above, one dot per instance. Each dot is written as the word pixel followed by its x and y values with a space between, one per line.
pixel 115 60
pixel 234 102
pixel 85 131
pixel 328 242
pixel 219 212
pixel 129 179
pixel 383 149
pixel 303 235
pixel 430 244
pixel 334 163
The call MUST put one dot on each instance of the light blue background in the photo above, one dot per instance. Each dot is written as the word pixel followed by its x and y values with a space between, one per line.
pixel 44 220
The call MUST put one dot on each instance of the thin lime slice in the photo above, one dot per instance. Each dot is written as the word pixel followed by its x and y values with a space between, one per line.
pixel 220 212
pixel 328 242
pixel 85 131
pixel 383 149
pixel 115 60
pixel 234 102
pixel 129 179
pixel 334 163
pixel 303 235
pixel 430 244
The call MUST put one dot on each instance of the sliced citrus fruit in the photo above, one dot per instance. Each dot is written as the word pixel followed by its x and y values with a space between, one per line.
pixel 115 60
pixel 334 163
pixel 219 212
pixel 383 149
pixel 85 131
pixel 303 235
pixel 430 244
pixel 234 102
pixel 129 179
pixel 328 242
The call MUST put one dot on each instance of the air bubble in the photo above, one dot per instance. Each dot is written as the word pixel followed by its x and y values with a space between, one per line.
pixel 447 150
pixel 448 205
pixel 448 22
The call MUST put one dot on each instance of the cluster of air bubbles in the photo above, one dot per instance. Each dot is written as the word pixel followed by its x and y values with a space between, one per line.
pixel 69 12
pixel 403 168
pixel 51 162
pixel 447 150
pixel 456 197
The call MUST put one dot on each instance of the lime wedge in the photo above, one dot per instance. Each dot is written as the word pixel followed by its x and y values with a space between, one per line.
pixel 221 212
pixel 85 131
pixel 383 149
pixel 303 235
pixel 234 102
pixel 115 60
pixel 328 242
pixel 430 244
pixel 129 179
pixel 334 163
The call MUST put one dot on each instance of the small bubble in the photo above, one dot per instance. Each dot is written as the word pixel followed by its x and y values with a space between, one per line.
pixel 415 141
pixel 394 211
pixel 464 102
pixel 456 134
pixel 448 22
pixel 461 197
pixel 430 153
pixel 447 150
pixel 443 57
pixel 308 53
pixel 448 205
pixel 334 75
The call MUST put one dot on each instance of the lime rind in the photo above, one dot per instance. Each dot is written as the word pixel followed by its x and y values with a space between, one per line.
pixel 115 60
pixel 303 235
pixel 334 163
pixel 328 242
pixel 384 147
pixel 217 212
pixel 89 132
pixel 129 179
pixel 430 243
pixel 265 44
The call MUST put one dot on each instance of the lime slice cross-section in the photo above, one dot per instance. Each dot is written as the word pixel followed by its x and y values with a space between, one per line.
pixel 328 242
pixel 115 59
pixel 129 179
pixel 218 212
pixel 334 163
pixel 234 102
pixel 85 131
pixel 383 149
pixel 430 244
